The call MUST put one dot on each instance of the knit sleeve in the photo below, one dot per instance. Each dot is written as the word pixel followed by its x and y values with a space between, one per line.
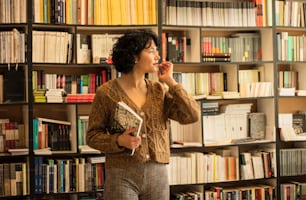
pixel 97 134
pixel 181 106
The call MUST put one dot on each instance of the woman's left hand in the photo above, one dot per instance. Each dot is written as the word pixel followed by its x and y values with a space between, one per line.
pixel 165 73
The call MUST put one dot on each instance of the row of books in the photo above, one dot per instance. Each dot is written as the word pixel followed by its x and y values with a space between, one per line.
pixel 60 96
pixel 255 89
pixel 292 125
pixel 216 57
pixel 12 46
pixel 291 47
pixel 230 123
pixel 82 84
pixel 95 48
pixel 79 98
pixel 263 192
pixel 250 75
pixel 290 13
pixel 12 135
pixel 54 11
pixel 245 47
pixel 239 47
pixel 69 175
pixel 292 161
pixel 293 190
pixel 66 86
pixel 95 12
pixel 213 85
pixel 251 83
pixel 235 125
pixel 211 13
pixel 52 46
pixel 82 129
pixel 82 132
pixel 291 92
pixel 13 11
pixel 192 194
pixel 202 83
pixel 176 48
pixel 257 165
pixel 50 133
pixel 188 168
pixel 288 79
pixel 13 179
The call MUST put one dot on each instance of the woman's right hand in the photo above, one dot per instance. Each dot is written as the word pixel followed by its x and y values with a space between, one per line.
pixel 128 140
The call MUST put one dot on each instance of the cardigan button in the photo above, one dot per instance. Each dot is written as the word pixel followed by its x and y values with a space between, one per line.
pixel 144 135
pixel 141 113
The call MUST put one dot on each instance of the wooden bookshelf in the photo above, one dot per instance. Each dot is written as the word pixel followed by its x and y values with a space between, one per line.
pixel 255 36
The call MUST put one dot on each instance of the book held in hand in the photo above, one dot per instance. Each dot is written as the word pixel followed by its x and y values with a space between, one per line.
pixel 126 118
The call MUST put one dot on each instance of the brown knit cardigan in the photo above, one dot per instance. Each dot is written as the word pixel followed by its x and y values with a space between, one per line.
pixel 161 105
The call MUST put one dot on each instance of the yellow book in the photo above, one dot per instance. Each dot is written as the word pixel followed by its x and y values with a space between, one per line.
pixel 152 18
pixel 146 11
pixel 105 12
pixel 115 9
pixel 24 179
pixel 97 12
pixel 133 12
pixel 68 12
pixel 77 176
pixel 38 11
pixel 139 12
pixel 124 13
pixel 48 11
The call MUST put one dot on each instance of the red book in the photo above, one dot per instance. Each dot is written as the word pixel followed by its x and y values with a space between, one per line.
pixel 164 46
pixel 100 175
pixel 259 12
pixel 104 76
pixel 9 135
pixel 206 45
pixel 92 83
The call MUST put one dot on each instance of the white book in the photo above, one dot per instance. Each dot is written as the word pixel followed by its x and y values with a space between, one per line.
pixel 258 166
pixel 126 118
pixel 41 119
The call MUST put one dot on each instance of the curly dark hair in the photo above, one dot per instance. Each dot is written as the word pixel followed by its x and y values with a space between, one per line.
pixel 129 46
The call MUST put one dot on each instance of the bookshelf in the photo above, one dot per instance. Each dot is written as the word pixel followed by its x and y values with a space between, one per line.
pixel 224 55
pixel 14 142
pixel 290 60
pixel 220 45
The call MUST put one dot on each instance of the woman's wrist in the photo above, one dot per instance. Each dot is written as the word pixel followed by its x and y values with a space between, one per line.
pixel 117 142
pixel 170 82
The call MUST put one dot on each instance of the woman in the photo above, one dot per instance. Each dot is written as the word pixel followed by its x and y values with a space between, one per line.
pixel 143 175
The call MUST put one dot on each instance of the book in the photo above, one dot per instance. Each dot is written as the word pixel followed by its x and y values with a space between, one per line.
pixel 14 86
pixel 292 126
pixel 299 123
pixel 257 125
pixel 300 190
pixel 125 118
pixel 216 55
pixel 21 151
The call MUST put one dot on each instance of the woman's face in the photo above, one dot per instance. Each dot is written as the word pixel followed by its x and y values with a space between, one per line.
pixel 148 59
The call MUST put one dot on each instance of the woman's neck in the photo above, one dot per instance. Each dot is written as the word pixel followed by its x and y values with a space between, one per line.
pixel 133 81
